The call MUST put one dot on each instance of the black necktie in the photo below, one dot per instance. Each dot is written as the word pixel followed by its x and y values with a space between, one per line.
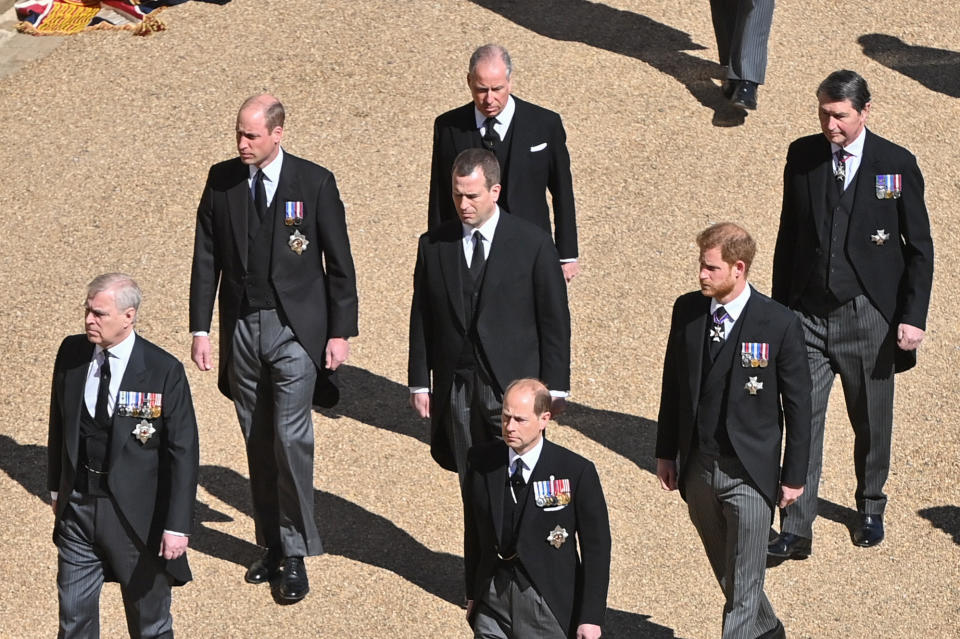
pixel 101 413
pixel 478 259
pixel 516 477
pixel 840 173
pixel 260 195
pixel 490 136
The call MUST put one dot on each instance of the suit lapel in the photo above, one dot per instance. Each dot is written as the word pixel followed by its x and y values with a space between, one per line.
pixel 495 480
pixel 517 142
pixel 817 179
pixel 74 383
pixel 288 190
pixel 451 256
pixel 694 336
pixel 865 177
pixel 238 199
pixel 498 262
pixel 541 472
pixel 133 377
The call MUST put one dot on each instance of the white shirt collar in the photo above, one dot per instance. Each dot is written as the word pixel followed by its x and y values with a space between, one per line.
pixel 487 229
pixel 530 458
pixel 735 306
pixel 271 172
pixel 504 118
pixel 855 148
pixel 119 351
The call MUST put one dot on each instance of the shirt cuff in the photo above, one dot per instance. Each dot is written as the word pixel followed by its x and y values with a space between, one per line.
pixel 53 495
pixel 173 532
pixel 418 389
pixel 200 333
pixel 556 393
pixel 567 260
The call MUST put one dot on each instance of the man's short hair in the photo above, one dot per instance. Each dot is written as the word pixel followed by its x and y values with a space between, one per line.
pixel 490 52
pixel 734 242
pixel 541 395
pixel 273 111
pixel 126 291
pixel 845 85
pixel 468 161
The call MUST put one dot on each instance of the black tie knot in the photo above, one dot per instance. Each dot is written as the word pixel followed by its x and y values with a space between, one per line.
pixel 516 475
pixel 490 136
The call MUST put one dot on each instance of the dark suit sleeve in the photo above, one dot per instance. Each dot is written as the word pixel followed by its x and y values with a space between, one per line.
pixel 917 249
pixel 418 365
pixel 338 260
pixel 55 430
pixel 560 183
pixel 784 254
pixel 593 535
pixel 793 381
pixel 667 420
pixel 181 456
pixel 553 317
pixel 205 272
pixel 439 208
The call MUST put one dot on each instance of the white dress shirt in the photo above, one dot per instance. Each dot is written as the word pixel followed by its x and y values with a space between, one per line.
pixel 855 149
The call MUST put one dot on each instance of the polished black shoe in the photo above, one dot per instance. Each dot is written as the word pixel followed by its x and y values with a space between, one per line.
pixel 789 546
pixel 869 532
pixel 728 87
pixel 777 632
pixel 263 569
pixel 293 579
pixel 745 95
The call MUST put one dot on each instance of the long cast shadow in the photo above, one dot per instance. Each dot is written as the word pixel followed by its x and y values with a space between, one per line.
pixel 946 518
pixel 936 69
pixel 626 33
pixel 355 533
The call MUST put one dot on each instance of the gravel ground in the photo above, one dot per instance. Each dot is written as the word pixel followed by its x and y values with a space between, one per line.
pixel 108 140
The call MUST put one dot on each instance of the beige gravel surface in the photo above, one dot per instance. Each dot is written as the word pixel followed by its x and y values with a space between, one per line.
pixel 108 138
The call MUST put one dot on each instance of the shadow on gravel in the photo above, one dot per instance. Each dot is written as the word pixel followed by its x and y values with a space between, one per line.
pixel 626 33
pixel 347 530
pixel 946 518
pixel 631 625
pixel 381 402
pixel 936 69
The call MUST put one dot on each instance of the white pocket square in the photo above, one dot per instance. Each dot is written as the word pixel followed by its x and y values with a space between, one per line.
pixel 539 147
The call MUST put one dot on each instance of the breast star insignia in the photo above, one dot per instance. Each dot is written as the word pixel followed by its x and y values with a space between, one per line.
pixel 880 237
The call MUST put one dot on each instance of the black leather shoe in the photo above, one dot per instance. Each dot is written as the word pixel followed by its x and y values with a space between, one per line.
pixel 789 546
pixel 745 96
pixel 293 579
pixel 728 87
pixel 263 569
pixel 777 632
pixel 869 532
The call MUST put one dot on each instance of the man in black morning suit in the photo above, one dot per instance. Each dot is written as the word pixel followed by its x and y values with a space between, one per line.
pixel 272 235
pixel 854 260
pixel 489 306
pixel 528 504
pixel 122 467
pixel 530 145
pixel 734 358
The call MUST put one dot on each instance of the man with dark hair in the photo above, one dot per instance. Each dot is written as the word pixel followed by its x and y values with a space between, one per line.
pixel 742 29
pixel 734 358
pixel 489 306
pixel 530 145
pixel 272 236
pixel 122 467
pixel 854 260
pixel 528 504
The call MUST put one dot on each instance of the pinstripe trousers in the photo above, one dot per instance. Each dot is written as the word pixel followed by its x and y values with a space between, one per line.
pixel 742 28
pixel 475 408
pixel 272 380
pixel 733 520
pixel 856 342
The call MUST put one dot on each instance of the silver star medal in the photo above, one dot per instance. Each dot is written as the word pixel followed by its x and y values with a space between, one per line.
pixel 143 431
pixel 880 237
pixel 298 242
pixel 557 536
pixel 753 386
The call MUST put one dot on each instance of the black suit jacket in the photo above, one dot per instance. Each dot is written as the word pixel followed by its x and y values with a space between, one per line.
pixel 896 275
pixel 522 318
pixel 574 586
pixel 538 160
pixel 154 484
pixel 316 290
pixel 754 422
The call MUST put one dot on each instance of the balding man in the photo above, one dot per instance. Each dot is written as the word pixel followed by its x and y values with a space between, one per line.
pixel 528 506
pixel 530 145
pixel 272 235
